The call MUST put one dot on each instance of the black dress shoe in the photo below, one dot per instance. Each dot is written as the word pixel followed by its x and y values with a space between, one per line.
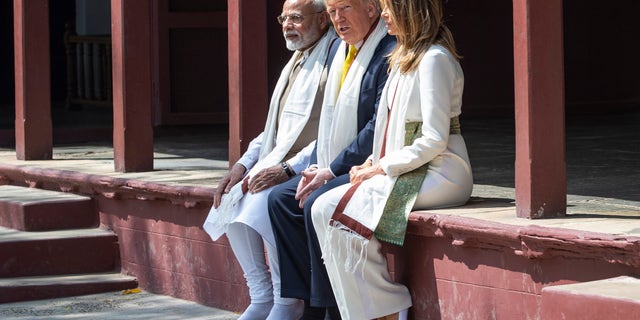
pixel 334 313
pixel 314 313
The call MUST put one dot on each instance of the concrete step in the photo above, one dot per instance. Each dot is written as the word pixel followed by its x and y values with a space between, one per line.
pixel 615 298
pixel 25 253
pixel 31 209
pixel 45 287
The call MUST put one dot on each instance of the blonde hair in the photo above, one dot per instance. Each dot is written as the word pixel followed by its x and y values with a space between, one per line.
pixel 419 24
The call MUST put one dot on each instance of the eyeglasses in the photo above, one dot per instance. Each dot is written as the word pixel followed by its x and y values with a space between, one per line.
pixel 294 18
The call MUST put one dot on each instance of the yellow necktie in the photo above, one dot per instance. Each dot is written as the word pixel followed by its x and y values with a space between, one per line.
pixel 347 62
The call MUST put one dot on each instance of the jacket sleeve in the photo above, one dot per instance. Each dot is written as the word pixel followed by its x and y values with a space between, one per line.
pixel 250 157
pixel 435 88
pixel 302 159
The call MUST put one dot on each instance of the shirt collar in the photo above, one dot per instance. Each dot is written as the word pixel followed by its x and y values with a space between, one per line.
pixel 307 53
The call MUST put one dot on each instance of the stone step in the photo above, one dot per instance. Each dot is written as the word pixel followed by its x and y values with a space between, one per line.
pixel 45 287
pixel 614 298
pixel 25 253
pixel 31 209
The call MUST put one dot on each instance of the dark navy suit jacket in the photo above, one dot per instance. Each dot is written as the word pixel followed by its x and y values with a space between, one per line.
pixel 370 90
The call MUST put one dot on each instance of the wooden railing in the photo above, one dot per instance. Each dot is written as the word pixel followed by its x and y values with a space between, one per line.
pixel 88 69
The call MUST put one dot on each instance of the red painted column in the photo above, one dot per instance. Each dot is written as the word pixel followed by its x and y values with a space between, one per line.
pixel 248 87
pixel 131 51
pixel 33 128
pixel 540 177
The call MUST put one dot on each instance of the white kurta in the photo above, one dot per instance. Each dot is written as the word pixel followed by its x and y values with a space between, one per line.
pixel 273 144
pixel 431 94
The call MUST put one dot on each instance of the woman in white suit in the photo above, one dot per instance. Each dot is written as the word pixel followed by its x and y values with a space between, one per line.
pixel 419 161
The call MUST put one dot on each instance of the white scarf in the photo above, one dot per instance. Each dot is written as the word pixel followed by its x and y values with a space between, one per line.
pixel 398 88
pixel 277 142
pixel 338 121
pixel 367 210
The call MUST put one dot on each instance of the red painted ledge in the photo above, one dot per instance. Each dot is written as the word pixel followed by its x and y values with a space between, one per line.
pixel 109 187
pixel 533 242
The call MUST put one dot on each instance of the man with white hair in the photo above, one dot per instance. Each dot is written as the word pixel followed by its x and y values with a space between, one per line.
pixel 277 154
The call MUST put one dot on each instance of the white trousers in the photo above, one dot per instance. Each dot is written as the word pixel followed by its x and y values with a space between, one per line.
pixel 249 233
pixel 248 247
pixel 368 292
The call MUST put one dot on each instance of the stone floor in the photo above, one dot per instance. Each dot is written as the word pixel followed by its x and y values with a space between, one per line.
pixel 138 305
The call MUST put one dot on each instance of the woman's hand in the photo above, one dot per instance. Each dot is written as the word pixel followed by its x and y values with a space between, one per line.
pixel 354 170
pixel 364 171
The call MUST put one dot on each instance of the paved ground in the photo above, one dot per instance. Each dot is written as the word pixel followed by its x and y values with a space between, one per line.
pixel 113 306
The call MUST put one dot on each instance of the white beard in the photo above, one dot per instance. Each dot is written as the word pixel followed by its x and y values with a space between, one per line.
pixel 303 41
pixel 293 45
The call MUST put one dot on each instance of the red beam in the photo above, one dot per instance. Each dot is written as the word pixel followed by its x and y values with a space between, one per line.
pixel 540 177
pixel 248 88
pixel 131 50
pixel 33 128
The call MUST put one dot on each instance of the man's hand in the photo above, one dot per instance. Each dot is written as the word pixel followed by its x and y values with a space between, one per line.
pixel 267 178
pixel 307 176
pixel 228 181
pixel 312 179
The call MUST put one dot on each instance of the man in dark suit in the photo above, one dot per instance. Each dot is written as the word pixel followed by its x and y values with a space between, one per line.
pixel 345 139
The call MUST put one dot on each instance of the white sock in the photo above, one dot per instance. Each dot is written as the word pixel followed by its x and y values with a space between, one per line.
pixel 402 315
pixel 287 311
pixel 257 311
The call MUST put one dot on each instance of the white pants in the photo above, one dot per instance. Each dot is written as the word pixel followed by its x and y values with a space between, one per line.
pixel 368 292
pixel 249 233
pixel 250 210
pixel 248 247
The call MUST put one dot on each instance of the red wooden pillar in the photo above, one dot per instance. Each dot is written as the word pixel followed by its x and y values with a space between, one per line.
pixel 33 128
pixel 131 51
pixel 541 182
pixel 248 88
